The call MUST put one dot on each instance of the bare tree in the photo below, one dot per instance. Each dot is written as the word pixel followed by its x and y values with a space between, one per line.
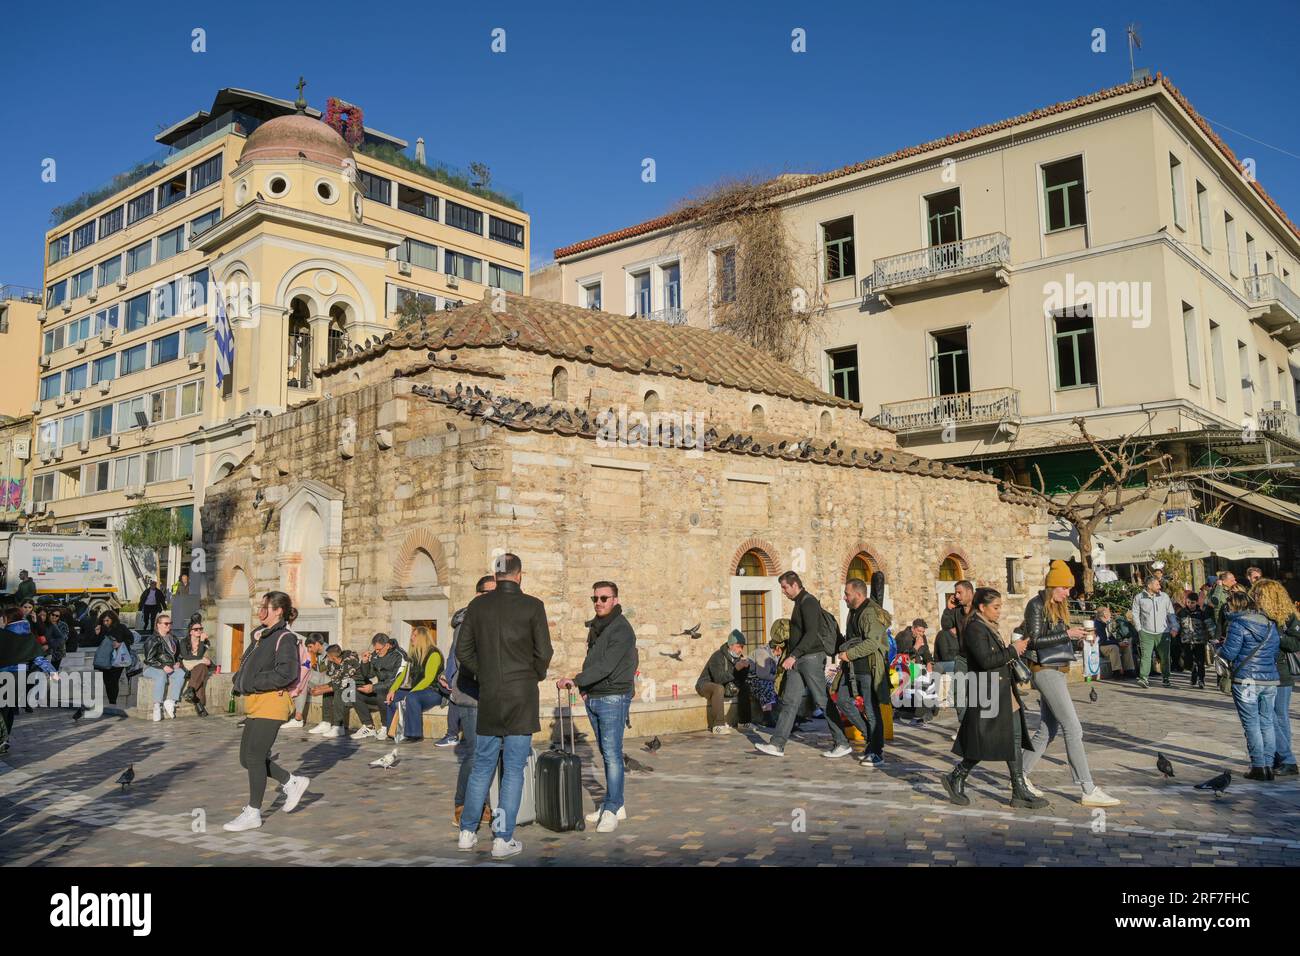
pixel 1107 491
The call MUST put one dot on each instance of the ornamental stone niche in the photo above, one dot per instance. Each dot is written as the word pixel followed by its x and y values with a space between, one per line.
pixel 310 546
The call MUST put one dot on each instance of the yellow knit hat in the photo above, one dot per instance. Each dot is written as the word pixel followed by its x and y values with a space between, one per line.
pixel 1059 576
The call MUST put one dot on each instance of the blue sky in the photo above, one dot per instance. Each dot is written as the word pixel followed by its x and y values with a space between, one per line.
pixel 583 93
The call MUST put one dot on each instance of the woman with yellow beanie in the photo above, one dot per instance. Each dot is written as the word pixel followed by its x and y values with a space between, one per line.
pixel 1051 652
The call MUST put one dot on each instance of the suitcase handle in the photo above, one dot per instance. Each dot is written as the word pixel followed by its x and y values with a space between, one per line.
pixel 573 737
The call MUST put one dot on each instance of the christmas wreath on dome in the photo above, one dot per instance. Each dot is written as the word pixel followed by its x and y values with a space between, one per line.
pixel 346 119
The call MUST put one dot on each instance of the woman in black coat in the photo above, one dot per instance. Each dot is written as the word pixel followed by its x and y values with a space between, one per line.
pixel 986 734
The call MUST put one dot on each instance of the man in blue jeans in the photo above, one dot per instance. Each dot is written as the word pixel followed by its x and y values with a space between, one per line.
pixel 463 691
pixel 505 645
pixel 606 681
pixel 805 667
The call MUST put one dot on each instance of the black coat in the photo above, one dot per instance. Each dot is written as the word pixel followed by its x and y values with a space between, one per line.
pixel 982 737
pixel 805 627
pixel 505 643
pixel 721 669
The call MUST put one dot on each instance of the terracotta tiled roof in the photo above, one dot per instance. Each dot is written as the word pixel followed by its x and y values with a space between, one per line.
pixel 480 405
pixel 625 343
pixel 785 185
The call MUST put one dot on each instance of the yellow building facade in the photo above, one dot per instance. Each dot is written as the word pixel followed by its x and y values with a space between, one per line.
pixel 314 247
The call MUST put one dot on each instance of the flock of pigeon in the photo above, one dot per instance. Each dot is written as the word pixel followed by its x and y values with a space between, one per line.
pixel 480 403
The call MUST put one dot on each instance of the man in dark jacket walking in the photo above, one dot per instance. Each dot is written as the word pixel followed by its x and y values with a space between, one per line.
pixel 805 670
pixel 862 656
pixel 606 682
pixel 506 645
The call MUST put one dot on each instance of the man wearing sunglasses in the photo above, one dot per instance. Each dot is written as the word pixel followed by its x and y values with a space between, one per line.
pixel 607 680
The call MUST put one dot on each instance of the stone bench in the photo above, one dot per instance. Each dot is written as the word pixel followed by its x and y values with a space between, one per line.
pixel 218 691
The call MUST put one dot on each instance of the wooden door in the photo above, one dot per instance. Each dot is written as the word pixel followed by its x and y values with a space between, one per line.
pixel 236 646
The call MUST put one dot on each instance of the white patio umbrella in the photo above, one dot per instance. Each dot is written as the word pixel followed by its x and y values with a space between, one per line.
pixel 1063 544
pixel 1193 539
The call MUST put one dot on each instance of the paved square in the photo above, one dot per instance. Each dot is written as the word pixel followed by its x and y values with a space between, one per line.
pixel 702 800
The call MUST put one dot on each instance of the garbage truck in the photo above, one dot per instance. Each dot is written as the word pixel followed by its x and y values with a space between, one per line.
pixel 90 566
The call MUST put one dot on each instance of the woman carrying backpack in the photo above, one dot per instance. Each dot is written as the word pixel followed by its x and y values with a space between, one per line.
pixel 267 675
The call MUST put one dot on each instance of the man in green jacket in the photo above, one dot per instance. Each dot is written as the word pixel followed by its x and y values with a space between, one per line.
pixel 863 655
pixel 1224 582
pixel 26 588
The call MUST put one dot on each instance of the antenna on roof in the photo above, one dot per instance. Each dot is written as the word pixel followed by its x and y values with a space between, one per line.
pixel 1135 41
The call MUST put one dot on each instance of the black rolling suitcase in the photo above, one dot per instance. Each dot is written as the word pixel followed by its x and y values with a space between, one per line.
pixel 559 782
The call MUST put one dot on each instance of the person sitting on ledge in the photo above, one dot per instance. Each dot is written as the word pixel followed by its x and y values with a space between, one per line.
pixel 723 679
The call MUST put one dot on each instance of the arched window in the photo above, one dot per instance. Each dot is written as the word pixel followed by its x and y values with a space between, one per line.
pixel 757 418
pixel 299 345
pixel 861 567
pixel 824 426
pixel 650 404
pixel 560 384
pixel 423 570
pixel 750 566
pixel 338 332
pixel 951 569
pixel 753 604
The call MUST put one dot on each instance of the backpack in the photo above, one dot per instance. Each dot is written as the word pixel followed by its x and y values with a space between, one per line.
pixel 829 632
pixel 892 651
pixel 304 664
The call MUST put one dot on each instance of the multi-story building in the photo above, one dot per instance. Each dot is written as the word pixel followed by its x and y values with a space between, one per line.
pixel 1107 257
pixel 20 340
pixel 314 247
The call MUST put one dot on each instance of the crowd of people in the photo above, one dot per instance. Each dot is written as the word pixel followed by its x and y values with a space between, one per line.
pixel 809 668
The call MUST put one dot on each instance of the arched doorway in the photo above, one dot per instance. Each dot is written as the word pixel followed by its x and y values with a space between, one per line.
pixel 861 567
pixel 952 569
pixel 755 596
pixel 234 618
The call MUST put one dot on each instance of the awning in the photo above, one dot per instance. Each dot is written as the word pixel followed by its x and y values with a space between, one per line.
pixel 1255 501
pixel 1137 516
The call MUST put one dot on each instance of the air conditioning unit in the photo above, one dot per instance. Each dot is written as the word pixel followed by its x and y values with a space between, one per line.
pixel 135 491
pixel 47 457
pixel 146 436
pixel 60 401
pixel 83 445
pixel 404 268
pixel 75 395
pixel 81 346
pixel 106 334
pixel 114 441
pixel 453 282
pixel 45 361
pixel 41 316
pixel 36 407
pixel 105 386
pixel 56 454
pixel 92 295
pixel 195 359
pixel 67 307
pixel 121 282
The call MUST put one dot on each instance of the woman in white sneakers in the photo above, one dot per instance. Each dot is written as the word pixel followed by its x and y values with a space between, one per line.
pixel 265 679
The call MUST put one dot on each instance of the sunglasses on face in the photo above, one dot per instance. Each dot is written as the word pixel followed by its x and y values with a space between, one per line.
pixel 600 598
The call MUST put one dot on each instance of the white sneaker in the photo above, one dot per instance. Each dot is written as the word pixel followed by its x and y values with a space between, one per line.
pixel 381 734
pixel 722 730
pixel 770 750
pixel 293 791
pixel 363 733
pixel 466 841
pixel 608 823
pixel 1032 789
pixel 157 711
pixel 292 724
pixel 502 850
pixel 333 731
pixel 1099 798
pixel 169 708
pixel 594 816
pixel 843 750
pixel 250 819
pixel 320 728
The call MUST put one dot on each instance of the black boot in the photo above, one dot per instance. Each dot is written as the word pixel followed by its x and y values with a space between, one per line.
pixel 1021 798
pixel 954 784
pixel 199 708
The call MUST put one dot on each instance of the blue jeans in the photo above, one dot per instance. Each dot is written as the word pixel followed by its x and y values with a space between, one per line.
pixel 468 720
pixel 414 703
pixel 170 684
pixel 1282 727
pixel 608 716
pixel 517 747
pixel 1255 708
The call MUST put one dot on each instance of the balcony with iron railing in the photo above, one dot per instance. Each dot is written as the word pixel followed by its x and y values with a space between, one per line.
pixel 672 315
pixel 1279 419
pixel 19 293
pixel 1275 306
pixel 988 406
pixel 980 257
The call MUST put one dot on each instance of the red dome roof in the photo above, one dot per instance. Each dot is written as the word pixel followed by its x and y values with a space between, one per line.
pixel 297 137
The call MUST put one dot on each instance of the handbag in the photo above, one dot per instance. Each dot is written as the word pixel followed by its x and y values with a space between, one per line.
pixel 1293 662
pixel 1020 671
pixel 1225 672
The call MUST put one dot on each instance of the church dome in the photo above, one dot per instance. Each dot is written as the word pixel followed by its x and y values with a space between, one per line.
pixel 297 137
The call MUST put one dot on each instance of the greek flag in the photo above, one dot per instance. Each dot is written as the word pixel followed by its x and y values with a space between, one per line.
pixel 224 339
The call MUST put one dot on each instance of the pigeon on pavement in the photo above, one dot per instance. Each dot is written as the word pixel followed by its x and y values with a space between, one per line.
pixel 127 776
pixel 387 760
pixel 1218 784
pixel 653 745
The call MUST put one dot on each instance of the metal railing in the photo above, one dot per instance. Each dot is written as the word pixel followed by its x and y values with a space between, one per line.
pixel 919 265
pixel 987 405
pixel 1268 287
pixel 672 316
pixel 1280 420
pixel 19 293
